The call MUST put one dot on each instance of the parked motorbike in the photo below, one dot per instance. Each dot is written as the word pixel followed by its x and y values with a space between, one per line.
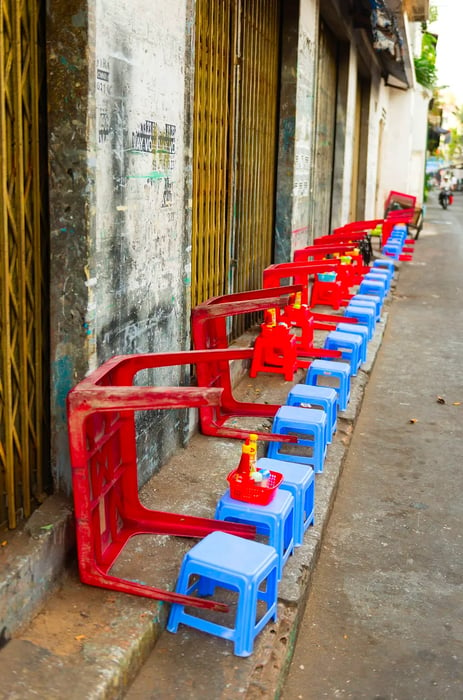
pixel 445 197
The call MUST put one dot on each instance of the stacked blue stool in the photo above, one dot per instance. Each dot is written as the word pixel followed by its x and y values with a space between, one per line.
pixel 309 425
pixel 328 370
pixel 299 480
pixel 360 331
pixel 226 561
pixel 365 315
pixel 349 345
pixel 317 397
pixel 274 520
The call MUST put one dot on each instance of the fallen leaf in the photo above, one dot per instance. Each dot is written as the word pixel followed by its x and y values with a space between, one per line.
pixel 413 420
pixel 79 637
pixel 440 399
pixel 4 543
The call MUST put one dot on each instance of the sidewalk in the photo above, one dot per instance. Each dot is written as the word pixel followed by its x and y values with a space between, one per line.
pixel 90 643
pixel 384 617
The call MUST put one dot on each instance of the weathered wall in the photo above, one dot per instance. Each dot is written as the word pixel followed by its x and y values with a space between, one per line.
pixel 129 278
pixel 345 113
pixel 405 142
pixel 305 114
pixel 68 78
pixel 295 147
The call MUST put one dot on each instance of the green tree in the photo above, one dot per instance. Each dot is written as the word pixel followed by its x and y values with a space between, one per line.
pixel 425 64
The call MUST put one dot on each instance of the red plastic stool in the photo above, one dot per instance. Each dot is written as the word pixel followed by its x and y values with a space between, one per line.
pixel 299 316
pixel 328 294
pixel 275 350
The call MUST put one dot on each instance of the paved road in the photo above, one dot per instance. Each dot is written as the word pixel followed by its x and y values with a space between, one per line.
pixel 384 620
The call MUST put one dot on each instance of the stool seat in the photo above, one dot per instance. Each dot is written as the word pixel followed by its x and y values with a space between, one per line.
pixel 349 345
pixel 226 561
pixel 332 370
pixel 360 331
pixel 317 397
pixel 309 425
pixel 299 480
pixel 274 520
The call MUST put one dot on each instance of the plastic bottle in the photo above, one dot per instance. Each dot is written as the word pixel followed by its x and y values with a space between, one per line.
pixel 270 317
pixel 296 303
pixel 244 467
pixel 253 453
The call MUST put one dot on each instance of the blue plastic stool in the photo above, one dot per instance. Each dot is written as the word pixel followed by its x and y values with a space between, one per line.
pixel 382 273
pixel 299 480
pixel 378 276
pixel 368 302
pixel 317 397
pixel 275 520
pixel 334 370
pixel 364 315
pixel 349 345
pixel 393 250
pixel 310 427
pixel 385 265
pixel 370 298
pixel 375 287
pixel 360 331
pixel 233 563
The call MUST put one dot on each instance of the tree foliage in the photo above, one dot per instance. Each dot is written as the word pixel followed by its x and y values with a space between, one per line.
pixel 425 64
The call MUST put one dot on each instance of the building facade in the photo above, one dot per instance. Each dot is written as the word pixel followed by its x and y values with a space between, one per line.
pixel 190 145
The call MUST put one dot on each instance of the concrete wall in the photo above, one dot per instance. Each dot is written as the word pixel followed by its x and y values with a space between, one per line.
pixel 69 74
pixel 296 118
pixel 403 158
pixel 125 286
pixel 404 148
